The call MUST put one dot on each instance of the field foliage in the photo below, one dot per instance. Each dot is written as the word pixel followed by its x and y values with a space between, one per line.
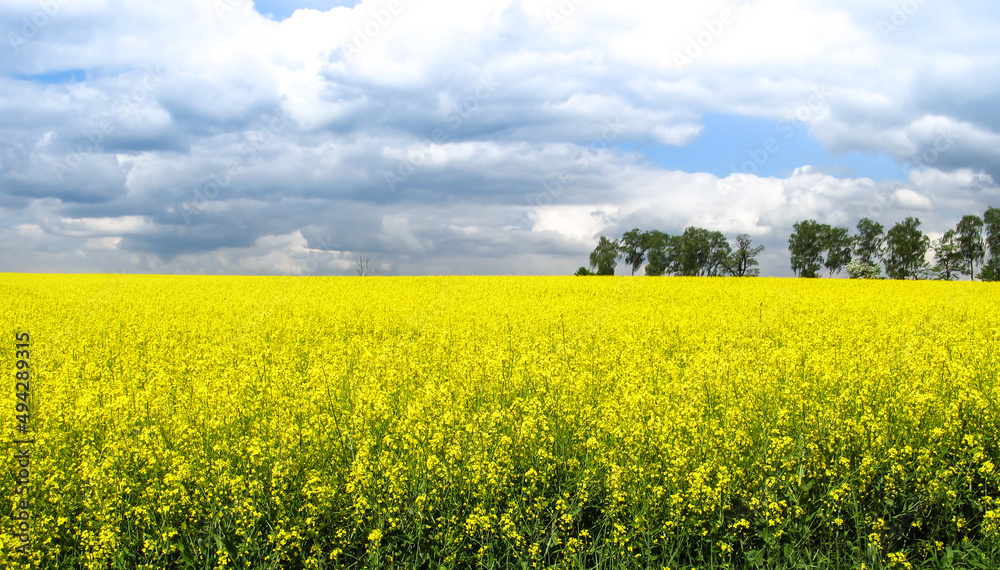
pixel 497 422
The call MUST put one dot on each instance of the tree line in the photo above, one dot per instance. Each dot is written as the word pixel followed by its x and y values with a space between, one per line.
pixel 902 250
pixel 696 252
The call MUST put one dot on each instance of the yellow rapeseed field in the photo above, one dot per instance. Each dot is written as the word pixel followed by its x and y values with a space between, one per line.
pixel 462 422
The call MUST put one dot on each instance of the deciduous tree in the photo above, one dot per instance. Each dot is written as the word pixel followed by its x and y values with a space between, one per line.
pixel 905 247
pixel 700 252
pixel 604 258
pixel 743 262
pixel 659 248
pixel 806 247
pixel 991 222
pixel 363 264
pixel 869 241
pixel 838 244
pixel 969 243
pixel 633 249
pixel 947 256
pixel 858 269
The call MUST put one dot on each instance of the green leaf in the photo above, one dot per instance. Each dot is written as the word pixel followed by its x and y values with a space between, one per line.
pixel 228 546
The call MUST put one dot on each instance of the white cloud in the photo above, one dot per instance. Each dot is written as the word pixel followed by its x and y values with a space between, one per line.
pixel 166 156
pixel 577 222
pixel 397 235
pixel 907 199
pixel 101 227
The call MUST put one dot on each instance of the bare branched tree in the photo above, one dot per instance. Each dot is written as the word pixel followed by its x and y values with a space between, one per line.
pixel 363 265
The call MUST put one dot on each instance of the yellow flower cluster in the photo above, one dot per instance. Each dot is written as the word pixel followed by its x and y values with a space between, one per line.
pixel 486 421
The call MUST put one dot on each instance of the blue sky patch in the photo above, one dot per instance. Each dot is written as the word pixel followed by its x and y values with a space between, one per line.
pixel 281 9
pixel 764 147
pixel 55 77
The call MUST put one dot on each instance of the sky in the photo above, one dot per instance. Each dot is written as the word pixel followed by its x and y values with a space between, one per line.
pixel 487 137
